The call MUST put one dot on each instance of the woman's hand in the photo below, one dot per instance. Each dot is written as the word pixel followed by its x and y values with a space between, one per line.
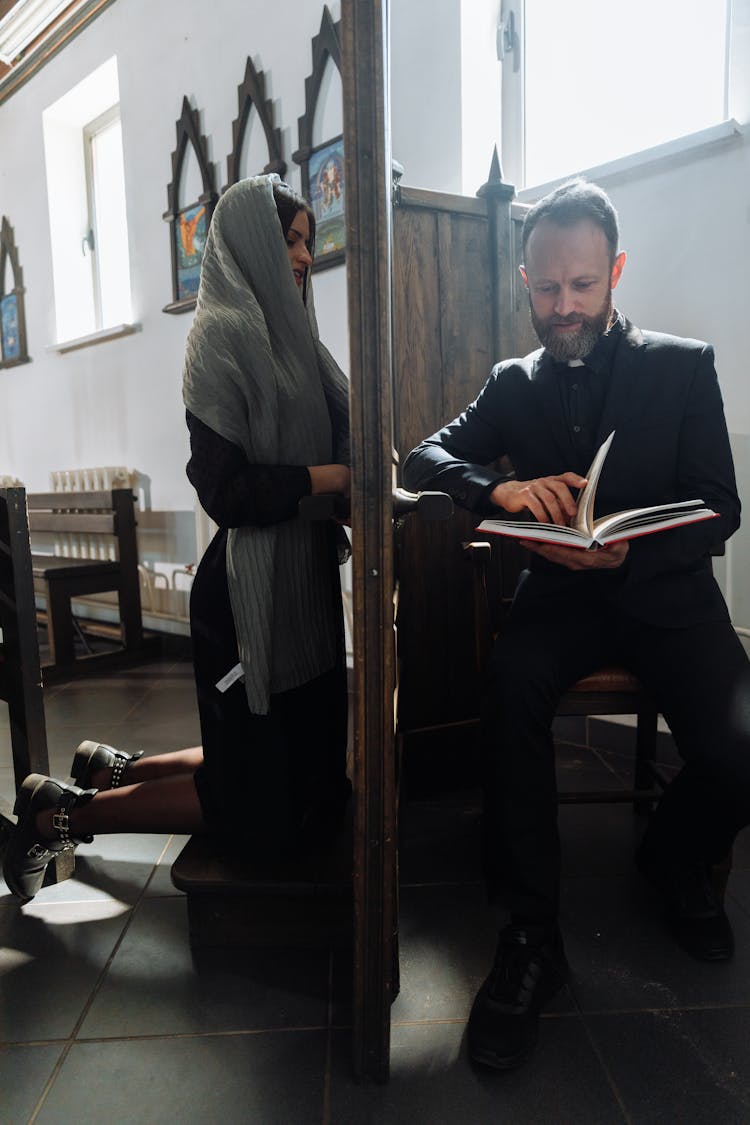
pixel 549 499
pixel 329 478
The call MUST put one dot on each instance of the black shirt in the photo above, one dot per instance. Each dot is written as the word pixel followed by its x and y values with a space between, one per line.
pixel 583 390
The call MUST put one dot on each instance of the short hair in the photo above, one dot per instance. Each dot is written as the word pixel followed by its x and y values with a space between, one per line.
pixel 569 204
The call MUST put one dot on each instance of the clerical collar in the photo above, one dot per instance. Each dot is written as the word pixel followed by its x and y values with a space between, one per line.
pixel 602 354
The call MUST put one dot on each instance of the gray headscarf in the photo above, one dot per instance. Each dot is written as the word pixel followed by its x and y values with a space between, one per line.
pixel 257 373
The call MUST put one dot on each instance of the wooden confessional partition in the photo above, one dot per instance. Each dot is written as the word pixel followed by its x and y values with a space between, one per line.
pixel 459 306
pixel 433 303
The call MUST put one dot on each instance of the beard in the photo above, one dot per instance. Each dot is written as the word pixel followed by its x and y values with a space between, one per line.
pixel 572 345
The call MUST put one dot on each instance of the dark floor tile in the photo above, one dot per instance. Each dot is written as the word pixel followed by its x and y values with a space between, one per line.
pixel 64 738
pixel 619 737
pixel 580 769
pixel 599 839
pixel 623 957
pixel 447 938
pixel 274 1078
pixel 91 701
pixel 161 883
pixel 159 734
pixel 24 1072
pixel 155 986
pixel 679 1066
pixel 440 840
pixel 570 728
pixel 51 957
pixel 432 1081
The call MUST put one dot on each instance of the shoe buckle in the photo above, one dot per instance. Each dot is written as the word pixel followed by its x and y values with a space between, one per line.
pixel 37 851
pixel 61 824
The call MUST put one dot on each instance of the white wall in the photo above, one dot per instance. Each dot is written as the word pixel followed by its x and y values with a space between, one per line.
pixel 120 402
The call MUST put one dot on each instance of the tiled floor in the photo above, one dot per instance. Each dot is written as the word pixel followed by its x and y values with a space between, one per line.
pixel 105 1016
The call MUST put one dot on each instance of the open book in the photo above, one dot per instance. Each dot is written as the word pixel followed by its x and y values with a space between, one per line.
pixel 589 533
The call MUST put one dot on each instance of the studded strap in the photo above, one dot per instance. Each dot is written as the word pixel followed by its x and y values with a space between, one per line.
pixel 61 818
pixel 120 764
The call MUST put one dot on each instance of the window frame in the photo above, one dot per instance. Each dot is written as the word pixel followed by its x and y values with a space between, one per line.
pixel 511 40
pixel 91 130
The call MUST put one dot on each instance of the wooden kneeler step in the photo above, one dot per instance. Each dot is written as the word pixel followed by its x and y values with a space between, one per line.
pixel 301 903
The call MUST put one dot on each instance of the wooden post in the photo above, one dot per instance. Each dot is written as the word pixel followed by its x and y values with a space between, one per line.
pixel 364 25
pixel 498 196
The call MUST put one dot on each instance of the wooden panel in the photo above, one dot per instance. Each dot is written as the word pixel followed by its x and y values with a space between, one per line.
pixel 65 501
pixel 466 355
pixel 418 404
pixel 88 523
pixel 441 201
pixel 442 339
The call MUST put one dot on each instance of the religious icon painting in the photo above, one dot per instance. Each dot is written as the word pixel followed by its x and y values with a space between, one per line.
pixel 190 233
pixel 9 333
pixel 327 190
pixel 12 315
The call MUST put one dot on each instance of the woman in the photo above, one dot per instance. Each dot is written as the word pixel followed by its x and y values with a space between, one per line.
pixel 267 410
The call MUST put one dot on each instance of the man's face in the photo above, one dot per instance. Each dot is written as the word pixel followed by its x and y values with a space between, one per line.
pixel 570 282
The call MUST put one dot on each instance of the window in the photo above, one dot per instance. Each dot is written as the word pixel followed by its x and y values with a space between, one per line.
pixel 107 238
pixel 586 82
pixel 86 199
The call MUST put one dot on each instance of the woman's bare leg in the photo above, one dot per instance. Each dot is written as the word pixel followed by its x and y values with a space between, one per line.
pixel 167 804
pixel 171 764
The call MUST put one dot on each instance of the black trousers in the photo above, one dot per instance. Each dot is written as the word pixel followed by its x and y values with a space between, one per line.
pixel 699 677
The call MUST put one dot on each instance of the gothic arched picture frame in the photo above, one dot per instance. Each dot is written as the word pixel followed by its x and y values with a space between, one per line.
pixel 13 350
pixel 189 222
pixel 322 165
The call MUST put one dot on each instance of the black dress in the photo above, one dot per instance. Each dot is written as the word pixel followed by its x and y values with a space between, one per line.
pixel 278 781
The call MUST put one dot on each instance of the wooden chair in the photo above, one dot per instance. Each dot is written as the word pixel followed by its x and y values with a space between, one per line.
pixel 59 578
pixel 20 674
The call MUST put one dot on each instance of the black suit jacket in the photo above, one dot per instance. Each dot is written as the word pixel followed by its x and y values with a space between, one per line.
pixel 671 443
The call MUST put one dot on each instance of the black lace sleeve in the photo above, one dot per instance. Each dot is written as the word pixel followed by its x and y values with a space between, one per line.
pixel 235 493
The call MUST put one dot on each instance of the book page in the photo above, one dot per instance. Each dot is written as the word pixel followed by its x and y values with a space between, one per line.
pixel 584 517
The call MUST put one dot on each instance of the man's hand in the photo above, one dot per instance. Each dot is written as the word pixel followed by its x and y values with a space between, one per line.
pixel 604 558
pixel 549 499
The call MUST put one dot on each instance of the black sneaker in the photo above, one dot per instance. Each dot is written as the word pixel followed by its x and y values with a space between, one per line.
pixel 695 913
pixel 530 967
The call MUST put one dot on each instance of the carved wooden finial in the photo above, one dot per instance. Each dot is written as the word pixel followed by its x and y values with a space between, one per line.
pixel 496 172
pixel 495 184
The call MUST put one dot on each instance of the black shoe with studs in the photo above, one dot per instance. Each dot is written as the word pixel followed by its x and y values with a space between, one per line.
pixel 27 855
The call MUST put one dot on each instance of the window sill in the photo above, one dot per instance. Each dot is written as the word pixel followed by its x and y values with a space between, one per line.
pixel 693 145
pixel 113 333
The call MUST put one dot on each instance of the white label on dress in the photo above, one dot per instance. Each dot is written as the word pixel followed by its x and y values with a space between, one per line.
pixel 231 677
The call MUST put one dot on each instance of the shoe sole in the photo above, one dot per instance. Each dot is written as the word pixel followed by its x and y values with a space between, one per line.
pixel 23 800
pixel 498 1062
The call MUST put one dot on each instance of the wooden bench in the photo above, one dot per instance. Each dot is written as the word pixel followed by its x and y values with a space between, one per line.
pixel 234 901
pixel 59 578
pixel 20 674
